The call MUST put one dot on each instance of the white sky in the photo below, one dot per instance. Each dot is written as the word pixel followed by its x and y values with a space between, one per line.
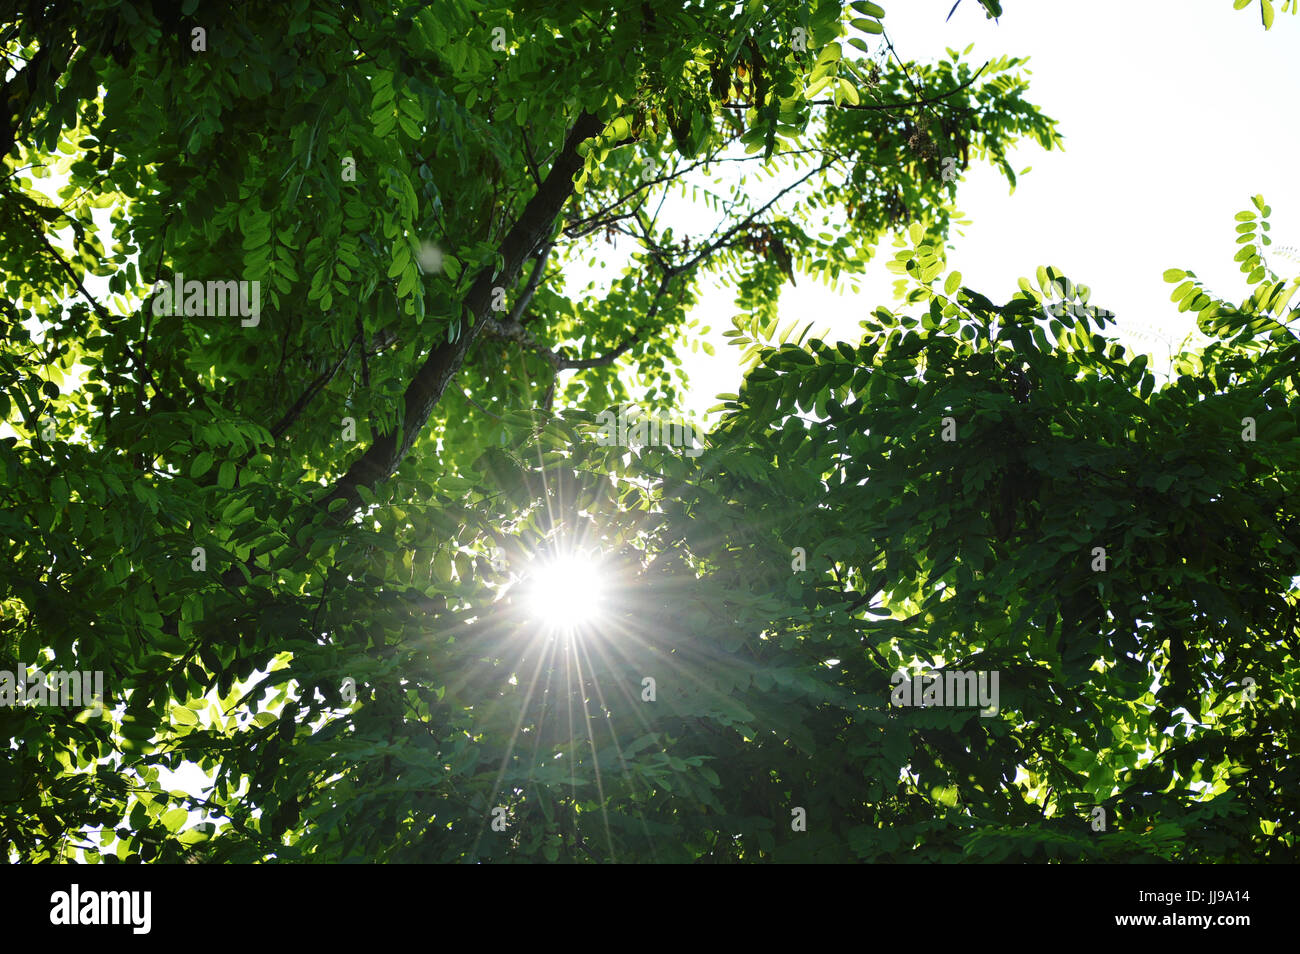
pixel 1174 113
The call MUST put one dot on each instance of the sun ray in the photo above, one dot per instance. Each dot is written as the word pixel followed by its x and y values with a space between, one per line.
pixel 514 738
pixel 595 762
pixel 618 749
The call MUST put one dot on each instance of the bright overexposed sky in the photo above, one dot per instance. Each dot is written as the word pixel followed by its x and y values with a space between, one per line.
pixel 1174 113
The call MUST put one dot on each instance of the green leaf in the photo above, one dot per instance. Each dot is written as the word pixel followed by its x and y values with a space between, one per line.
pixel 867 26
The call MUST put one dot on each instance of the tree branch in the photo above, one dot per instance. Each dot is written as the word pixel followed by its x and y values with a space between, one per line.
pixel 926 101
pixel 533 227
pixel 106 320
pixel 514 331
pixel 322 379
pixel 534 281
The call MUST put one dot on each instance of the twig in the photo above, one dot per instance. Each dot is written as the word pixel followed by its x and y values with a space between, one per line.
pixel 916 102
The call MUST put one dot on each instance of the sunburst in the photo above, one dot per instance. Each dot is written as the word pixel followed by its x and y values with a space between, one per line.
pixel 566 593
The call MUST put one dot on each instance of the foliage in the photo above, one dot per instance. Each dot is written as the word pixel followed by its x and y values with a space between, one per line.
pixel 1267 9
pixel 421 300
pixel 1130 689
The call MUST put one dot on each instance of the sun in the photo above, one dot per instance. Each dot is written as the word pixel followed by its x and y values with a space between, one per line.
pixel 566 592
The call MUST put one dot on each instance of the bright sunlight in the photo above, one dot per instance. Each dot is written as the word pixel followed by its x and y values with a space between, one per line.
pixel 566 592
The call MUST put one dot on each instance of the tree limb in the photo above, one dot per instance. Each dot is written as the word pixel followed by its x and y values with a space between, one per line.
pixel 382 458
pixel 926 101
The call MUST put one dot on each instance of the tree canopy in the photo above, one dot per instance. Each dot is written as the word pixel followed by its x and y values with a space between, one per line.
pixel 296 537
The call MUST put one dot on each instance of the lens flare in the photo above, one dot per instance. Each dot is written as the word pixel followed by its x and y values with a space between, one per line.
pixel 566 592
